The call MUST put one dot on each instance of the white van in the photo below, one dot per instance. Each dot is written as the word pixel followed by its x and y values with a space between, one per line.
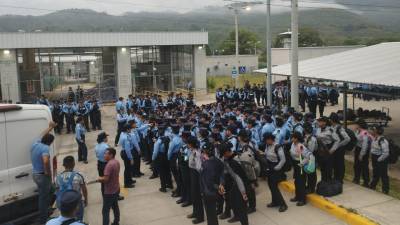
pixel 20 126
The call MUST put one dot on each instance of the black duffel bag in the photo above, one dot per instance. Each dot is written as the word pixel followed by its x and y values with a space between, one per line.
pixel 329 188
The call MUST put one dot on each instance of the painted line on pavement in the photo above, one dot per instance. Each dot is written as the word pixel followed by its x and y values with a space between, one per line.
pixel 324 204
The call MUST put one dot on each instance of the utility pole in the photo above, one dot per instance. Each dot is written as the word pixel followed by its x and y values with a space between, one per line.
pixel 269 62
pixel 237 48
pixel 294 81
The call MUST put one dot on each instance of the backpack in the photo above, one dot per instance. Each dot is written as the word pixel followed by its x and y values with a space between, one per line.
pixel 64 186
pixel 288 162
pixel 353 138
pixel 394 150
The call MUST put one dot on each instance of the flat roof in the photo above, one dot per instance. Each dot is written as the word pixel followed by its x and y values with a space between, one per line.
pixel 99 39
pixel 376 65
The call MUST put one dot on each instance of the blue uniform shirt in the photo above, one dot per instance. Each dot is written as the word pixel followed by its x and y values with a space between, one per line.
pixel 174 146
pixel 39 150
pixel 100 150
pixel 79 131
pixel 120 105
pixel 126 144
pixel 268 128
pixel 135 140
pixel 158 148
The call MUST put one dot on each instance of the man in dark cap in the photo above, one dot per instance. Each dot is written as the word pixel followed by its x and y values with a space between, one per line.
pixel 69 202
pixel 210 178
pixel 236 178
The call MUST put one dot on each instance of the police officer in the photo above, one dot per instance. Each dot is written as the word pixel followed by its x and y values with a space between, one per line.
pixel 379 155
pixel 210 178
pixel 195 167
pixel 83 112
pixel 126 154
pixel 100 149
pixel 80 132
pixel 300 156
pixel 329 141
pixel 122 118
pixel 275 156
pixel 95 114
pixel 310 142
pixel 69 111
pixel 183 159
pixel 173 150
pixel 161 160
pixel 361 154
pixel 338 154
pixel 235 177
pixel 135 139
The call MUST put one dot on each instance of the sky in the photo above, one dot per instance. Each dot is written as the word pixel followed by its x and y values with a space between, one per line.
pixel 117 7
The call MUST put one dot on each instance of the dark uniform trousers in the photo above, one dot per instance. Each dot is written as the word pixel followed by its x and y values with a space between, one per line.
pixel 311 182
pixel 198 211
pixel 136 162
pixel 119 130
pixel 338 164
pixel 100 170
pixel 226 200
pixel 251 195
pixel 325 164
pixel 361 167
pixel 175 173
pixel 82 149
pixel 210 205
pixel 239 205
pixel 163 170
pixel 273 180
pixel 299 182
pixel 127 169
pixel 379 171
pixel 86 121
pixel 70 120
pixel 185 185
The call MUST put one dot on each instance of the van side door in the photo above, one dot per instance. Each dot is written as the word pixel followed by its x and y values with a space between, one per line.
pixel 23 129
pixel 5 189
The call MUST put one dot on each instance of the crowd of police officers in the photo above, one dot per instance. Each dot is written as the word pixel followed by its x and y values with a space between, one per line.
pixel 212 156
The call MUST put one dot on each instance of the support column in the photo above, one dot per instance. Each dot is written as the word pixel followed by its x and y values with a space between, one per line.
pixel 294 56
pixel 9 76
pixel 345 86
pixel 200 70
pixel 124 75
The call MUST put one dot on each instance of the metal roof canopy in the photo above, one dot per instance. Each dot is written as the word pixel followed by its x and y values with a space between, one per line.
pixel 99 39
pixel 377 65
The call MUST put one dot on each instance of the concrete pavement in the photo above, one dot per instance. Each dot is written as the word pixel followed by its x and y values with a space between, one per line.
pixel 145 205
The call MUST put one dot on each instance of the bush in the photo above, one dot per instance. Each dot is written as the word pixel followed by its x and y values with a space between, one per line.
pixel 211 83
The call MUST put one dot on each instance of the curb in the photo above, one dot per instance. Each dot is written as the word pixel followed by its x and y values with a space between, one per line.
pixel 322 203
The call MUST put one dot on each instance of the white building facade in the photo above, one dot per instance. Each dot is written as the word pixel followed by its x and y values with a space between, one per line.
pixel 105 65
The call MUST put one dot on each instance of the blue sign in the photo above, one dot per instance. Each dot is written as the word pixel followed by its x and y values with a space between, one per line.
pixel 234 72
pixel 242 69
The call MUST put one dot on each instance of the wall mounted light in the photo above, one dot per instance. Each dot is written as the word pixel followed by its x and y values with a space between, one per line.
pixel 6 52
pixel 123 49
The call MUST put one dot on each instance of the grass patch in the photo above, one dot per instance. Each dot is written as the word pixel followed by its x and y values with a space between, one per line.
pixel 394 184
pixel 215 82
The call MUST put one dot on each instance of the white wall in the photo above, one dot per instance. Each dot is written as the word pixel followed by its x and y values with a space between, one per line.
pixel 124 85
pixel 200 69
pixel 223 64
pixel 281 56
pixel 9 76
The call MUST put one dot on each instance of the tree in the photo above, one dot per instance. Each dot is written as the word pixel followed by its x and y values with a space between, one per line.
pixel 248 42
pixel 308 37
